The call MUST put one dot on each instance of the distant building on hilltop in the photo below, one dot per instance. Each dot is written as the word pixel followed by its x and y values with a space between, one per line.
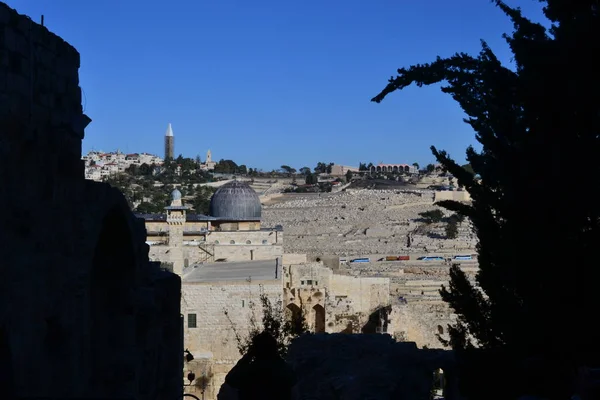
pixel 100 165
pixel 342 170
pixel 208 164
pixel 411 169
pixel 169 143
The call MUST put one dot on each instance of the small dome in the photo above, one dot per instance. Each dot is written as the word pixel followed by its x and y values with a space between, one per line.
pixel 236 201
pixel 175 195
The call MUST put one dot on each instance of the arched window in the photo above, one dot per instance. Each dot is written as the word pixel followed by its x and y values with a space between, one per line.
pixel 248 242
pixel 440 329
pixel 232 242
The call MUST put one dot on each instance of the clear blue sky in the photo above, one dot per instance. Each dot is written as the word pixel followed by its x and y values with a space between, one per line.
pixel 271 82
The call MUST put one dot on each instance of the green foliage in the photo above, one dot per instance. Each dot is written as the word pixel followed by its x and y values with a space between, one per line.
pixel 451 229
pixel 458 218
pixel 201 202
pixel 311 179
pixel 362 167
pixel 416 165
pixel 274 321
pixel 348 176
pixel 432 216
pixel 323 168
pixel 288 170
pixel 532 122
pixel 430 168
pixel 305 171
pixel 230 167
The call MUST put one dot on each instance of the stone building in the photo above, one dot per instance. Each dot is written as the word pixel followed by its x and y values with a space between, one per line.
pixel 232 232
pixel 83 313
pixel 334 303
pixel 219 299
pixel 208 164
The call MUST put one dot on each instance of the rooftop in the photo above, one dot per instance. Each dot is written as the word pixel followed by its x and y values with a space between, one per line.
pixel 231 271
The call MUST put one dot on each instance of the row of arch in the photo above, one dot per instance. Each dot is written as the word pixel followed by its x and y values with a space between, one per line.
pixel 318 323
pixel 392 168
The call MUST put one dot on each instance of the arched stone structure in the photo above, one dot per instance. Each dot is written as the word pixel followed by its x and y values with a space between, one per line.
pixel 319 315
pixel 393 168
pixel 293 312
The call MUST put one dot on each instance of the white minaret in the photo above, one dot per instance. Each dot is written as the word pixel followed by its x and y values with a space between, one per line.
pixel 169 143
pixel 208 157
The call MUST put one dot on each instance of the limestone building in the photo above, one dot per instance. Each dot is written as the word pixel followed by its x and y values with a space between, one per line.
pixel 232 231
pixel 169 143
pixel 208 164
pixel 83 313
pixel 219 300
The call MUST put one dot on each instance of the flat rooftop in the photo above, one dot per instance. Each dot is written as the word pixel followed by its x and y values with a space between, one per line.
pixel 231 271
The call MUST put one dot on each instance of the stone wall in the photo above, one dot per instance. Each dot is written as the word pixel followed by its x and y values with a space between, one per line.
pixel 290 258
pixel 452 195
pixel 255 237
pixel 241 252
pixel 345 300
pixel 94 318
pixel 213 342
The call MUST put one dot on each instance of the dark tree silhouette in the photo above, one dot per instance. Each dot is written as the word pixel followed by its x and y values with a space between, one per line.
pixel 537 242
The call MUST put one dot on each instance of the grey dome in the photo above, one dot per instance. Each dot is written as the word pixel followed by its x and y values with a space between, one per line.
pixel 175 195
pixel 235 201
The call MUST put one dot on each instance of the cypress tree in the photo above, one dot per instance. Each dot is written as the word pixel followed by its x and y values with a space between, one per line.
pixel 535 210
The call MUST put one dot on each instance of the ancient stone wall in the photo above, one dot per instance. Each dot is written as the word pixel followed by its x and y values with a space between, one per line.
pixel 255 237
pixel 242 252
pixel 345 300
pixel 214 338
pixel 94 316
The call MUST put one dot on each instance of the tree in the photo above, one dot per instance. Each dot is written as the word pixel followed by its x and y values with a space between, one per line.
pixel 432 216
pixel 416 165
pixel 451 229
pixel 329 168
pixel 430 168
pixel 348 176
pixel 321 168
pixel 531 122
pixel 274 321
pixel 362 167
pixel 467 167
pixel 201 202
pixel 305 171
pixel 288 170
pixel 145 170
pixel 311 179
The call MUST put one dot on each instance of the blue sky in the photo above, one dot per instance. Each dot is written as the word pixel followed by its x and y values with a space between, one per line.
pixel 271 82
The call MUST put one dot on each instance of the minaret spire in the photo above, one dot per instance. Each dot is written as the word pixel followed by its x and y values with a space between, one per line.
pixel 169 143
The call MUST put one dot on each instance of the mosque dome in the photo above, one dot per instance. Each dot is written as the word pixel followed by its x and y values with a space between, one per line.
pixel 235 201
pixel 175 195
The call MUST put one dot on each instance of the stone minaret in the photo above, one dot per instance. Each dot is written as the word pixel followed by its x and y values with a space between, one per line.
pixel 169 143
pixel 176 216
pixel 208 157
